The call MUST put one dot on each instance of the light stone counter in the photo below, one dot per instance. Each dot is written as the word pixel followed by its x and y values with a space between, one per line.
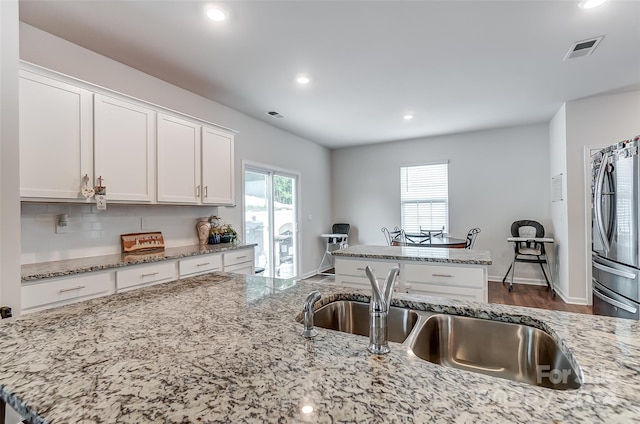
pixel 226 348
pixel 420 254
pixel 40 270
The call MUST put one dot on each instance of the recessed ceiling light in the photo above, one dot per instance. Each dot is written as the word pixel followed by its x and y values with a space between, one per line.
pixel 408 117
pixel 216 14
pixel 590 4
pixel 303 79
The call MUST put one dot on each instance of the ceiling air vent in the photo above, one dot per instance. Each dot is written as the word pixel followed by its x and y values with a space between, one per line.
pixel 275 114
pixel 583 48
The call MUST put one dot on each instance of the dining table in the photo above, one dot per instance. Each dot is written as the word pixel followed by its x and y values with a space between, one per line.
pixel 425 240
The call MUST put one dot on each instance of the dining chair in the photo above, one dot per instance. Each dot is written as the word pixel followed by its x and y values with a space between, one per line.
pixel 471 237
pixel 395 237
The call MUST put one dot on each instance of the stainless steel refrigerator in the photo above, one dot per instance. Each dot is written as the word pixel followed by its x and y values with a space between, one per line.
pixel 616 230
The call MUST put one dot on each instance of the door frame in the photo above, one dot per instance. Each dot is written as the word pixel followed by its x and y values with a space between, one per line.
pixel 297 207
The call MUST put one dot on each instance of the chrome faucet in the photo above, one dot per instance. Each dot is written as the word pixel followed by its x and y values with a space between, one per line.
pixel 308 312
pixel 379 310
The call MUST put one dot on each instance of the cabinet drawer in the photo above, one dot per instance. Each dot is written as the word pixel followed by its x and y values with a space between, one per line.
pixel 445 275
pixel 145 275
pixel 356 267
pixel 359 282
pixel 237 257
pixel 54 292
pixel 459 293
pixel 242 268
pixel 200 265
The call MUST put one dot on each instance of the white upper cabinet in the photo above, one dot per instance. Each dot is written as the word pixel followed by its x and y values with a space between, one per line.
pixel 179 175
pixel 124 135
pixel 144 153
pixel 217 167
pixel 55 137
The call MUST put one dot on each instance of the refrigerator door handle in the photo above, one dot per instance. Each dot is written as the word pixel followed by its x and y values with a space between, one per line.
pixel 597 203
pixel 613 302
pixel 614 271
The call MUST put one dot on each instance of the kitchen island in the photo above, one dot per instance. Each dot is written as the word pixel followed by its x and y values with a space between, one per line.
pixel 454 273
pixel 226 348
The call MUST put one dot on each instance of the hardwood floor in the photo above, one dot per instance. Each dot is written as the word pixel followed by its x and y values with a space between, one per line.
pixel 531 296
pixel 522 295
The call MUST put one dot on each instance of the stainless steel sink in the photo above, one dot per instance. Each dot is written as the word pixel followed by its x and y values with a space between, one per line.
pixel 513 351
pixel 353 317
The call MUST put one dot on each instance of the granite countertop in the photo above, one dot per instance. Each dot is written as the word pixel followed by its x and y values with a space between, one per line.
pixel 40 270
pixel 226 348
pixel 420 254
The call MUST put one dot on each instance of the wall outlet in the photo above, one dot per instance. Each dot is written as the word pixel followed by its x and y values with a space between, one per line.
pixel 144 223
pixel 63 229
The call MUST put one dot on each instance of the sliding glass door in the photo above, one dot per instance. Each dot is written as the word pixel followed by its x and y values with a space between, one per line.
pixel 270 216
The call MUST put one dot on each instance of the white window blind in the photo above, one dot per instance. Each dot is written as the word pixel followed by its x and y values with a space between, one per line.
pixel 424 197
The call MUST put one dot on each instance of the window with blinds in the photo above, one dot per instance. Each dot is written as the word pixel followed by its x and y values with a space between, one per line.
pixel 424 197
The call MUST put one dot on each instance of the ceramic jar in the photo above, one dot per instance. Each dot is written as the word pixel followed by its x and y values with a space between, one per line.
pixel 203 227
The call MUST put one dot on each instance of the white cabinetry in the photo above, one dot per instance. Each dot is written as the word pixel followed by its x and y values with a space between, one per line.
pixel 239 261
pixel 458 281
pixel 195 164
pixel 202 264
pixel 51 292
pixel 143 152
pixel 179 169
pixel 217 167
pixel 136 276
pixel 55 137
pixel 124 135
pixel 452 280
pixel 351 272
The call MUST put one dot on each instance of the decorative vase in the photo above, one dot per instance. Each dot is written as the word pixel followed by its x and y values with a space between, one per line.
pixel 203 228
pixel 225 238
pixel 214 239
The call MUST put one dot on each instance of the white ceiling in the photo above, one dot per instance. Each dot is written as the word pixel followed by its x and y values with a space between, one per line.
pixel 458 65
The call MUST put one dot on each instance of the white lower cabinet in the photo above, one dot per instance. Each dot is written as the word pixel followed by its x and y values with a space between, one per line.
pixel 51 292
pixel 136 276
pixel 351 272
pixel 239 262
pixel 457 281
pixel 452 280
pixel 202 264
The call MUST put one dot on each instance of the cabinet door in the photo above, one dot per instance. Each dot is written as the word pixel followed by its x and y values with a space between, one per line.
pixel 217 167
pixel 178 160
pixel 55 137
pixel 51 292
pixel 123 149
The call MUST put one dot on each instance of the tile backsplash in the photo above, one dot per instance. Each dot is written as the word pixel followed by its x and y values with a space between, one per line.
pixel 90 232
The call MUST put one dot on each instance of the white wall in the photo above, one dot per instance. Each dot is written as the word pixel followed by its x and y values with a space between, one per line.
pixel 560 226
pixel 9 171
pixel 590 122
pixel 256 142
pixel 495 177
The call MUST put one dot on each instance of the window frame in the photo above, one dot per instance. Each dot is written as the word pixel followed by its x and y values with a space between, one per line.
pixel 415 227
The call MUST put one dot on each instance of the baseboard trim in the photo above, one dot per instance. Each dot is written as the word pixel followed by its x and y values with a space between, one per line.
pixel 535 282
pixel 529 281
pixel 315 272
pixel 571 300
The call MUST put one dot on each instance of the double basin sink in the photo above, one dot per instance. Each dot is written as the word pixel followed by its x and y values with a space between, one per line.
pixel 499 349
